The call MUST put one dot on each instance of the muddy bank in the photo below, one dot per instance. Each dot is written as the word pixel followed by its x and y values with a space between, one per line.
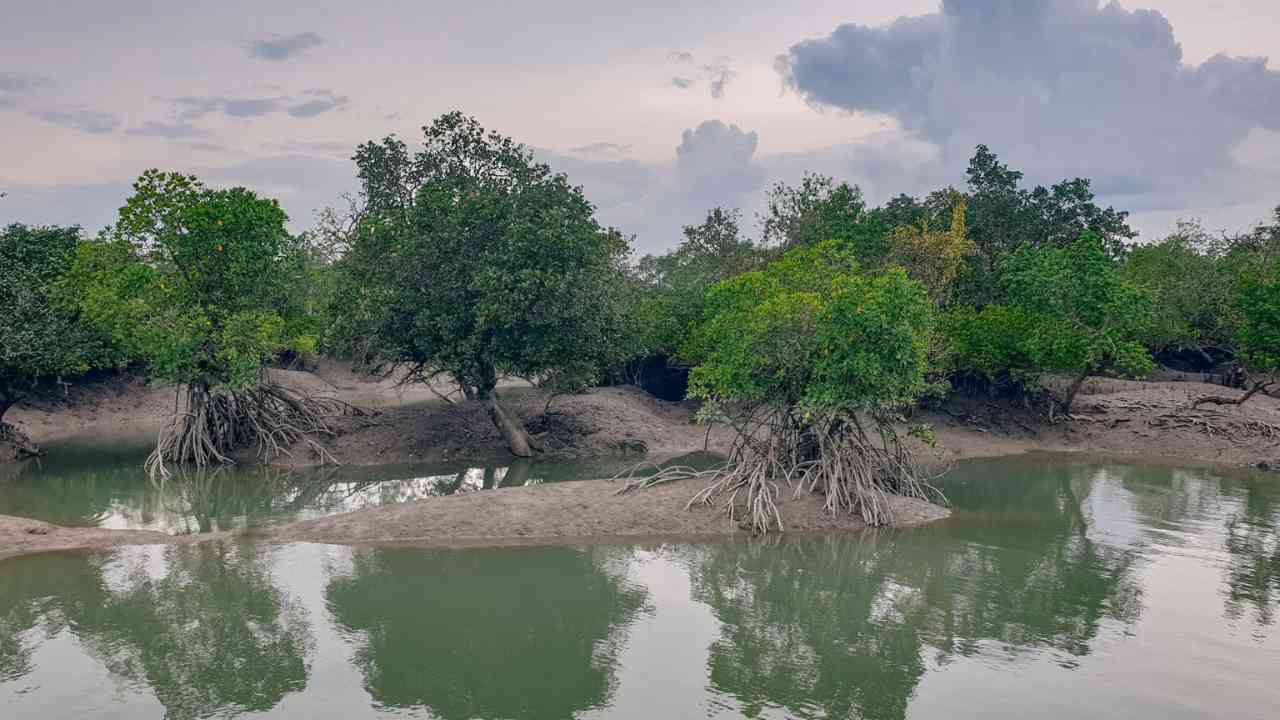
pixel 601 422
pixel 127 405
pixel 1152 421
pixel 588 511
pixel 562 512
pixel 20 536
pixel 1129 418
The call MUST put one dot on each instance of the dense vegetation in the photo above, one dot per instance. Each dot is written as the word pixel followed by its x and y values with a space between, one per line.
pixel 474 262
pixel 465 261
pixel 204 286
pixel 41 336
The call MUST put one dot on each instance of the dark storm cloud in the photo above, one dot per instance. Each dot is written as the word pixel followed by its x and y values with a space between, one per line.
pixel 284 47
pixel 1058 87
pixel 94 122
pixel 169 131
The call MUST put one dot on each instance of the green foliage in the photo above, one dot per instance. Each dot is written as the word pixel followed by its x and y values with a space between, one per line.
pixel 671 288
pixel 1083 315
pixel 812 330
pixel 1190 293
pixel 494 265
pixel 1257 335
pixel 202 284
pixel 1003 217
pixel 818 210
pixel 988 343
pixel 40 336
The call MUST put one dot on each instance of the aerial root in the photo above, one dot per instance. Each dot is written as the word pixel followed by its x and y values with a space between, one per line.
pixel 271 418
pixel 854 469
pixel 22 445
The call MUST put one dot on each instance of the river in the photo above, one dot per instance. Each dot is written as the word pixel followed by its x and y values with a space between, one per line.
pixel 1060 587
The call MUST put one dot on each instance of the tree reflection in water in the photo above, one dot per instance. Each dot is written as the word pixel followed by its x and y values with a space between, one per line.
pixel 842 627
pixel 210 634
pixel 531 633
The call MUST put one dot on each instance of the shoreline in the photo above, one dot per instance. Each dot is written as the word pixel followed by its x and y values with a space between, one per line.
pixel 1149 422
pixel 581 512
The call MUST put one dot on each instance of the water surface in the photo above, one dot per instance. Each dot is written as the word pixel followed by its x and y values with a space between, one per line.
pixel 1059 588
pixel 87 483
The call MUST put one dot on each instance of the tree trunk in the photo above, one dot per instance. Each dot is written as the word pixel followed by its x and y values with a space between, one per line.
pixel 512 431
pixel 10 435
pixel 1258 386
pixel 517 474
pixel 1075 388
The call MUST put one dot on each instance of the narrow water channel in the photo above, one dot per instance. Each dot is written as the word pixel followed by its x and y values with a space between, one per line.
pixel 1059 588
pixel 93 484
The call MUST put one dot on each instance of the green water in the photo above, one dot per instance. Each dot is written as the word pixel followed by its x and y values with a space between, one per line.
pixel 88 484
pixel 1058 589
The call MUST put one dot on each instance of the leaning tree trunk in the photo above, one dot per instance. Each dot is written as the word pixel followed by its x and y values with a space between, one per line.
pixel 10 435
pixel 1257 387
pixel 1074 389
pixel 508 425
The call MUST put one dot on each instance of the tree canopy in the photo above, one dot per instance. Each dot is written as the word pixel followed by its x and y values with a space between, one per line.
pixel 493 265
pixel 201 283
pixel 1081 315
pixel 204 285
pixel 41 335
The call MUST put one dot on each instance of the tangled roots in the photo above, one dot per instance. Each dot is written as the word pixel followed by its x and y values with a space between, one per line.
pixel 270 418
pixel 855 470
pixel 22 445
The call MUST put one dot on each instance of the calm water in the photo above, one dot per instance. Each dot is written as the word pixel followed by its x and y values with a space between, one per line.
pixel 1059 589
pixel 86 484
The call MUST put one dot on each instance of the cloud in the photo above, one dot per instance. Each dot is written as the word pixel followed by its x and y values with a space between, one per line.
pixel 22 83
pixel 169 131
pixel 713 165
pixel 320 102
pixel 310 104
pixel 16 86
pixel 94 122
pixel 717 74
pixel 283 47
pixel 250 107
pixel 303 184
pixel 601 150
pixel 1060 88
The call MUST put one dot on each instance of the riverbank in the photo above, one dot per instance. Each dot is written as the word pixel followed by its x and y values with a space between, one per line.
pixel 582 512
pixel 1149 421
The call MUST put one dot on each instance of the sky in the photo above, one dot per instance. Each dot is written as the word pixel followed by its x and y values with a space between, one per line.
pixel 659 110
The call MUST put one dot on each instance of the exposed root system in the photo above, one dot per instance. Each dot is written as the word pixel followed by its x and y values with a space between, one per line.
pixel 22 445
pixel 270 418
pixel 854 468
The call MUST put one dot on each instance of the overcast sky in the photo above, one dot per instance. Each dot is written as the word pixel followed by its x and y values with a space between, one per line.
pixel 659 109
